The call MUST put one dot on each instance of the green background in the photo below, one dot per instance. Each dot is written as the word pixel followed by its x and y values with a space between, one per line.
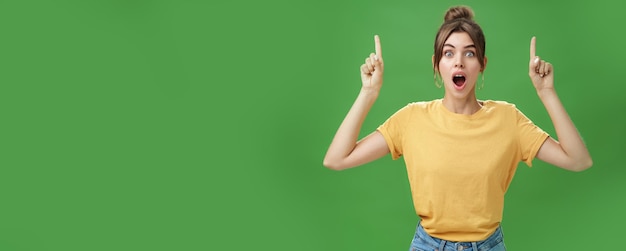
pixel 201 125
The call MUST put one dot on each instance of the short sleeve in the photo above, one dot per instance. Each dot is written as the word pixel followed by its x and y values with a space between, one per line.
pixel 393 130
pixel 531 137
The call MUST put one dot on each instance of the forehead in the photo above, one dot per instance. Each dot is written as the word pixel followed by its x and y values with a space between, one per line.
pixel 459 40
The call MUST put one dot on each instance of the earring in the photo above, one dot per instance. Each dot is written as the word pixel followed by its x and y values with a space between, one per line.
pixel 437 81
pixel 482 85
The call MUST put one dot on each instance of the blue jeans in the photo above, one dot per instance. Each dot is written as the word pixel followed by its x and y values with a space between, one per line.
pixel 424 242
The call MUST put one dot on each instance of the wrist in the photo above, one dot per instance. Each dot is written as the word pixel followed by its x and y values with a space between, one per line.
pixel 369 93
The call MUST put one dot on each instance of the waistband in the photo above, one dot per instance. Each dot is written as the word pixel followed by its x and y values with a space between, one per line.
pixel 491 241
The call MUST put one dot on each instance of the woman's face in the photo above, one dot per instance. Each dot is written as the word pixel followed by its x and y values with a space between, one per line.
pixel 459 66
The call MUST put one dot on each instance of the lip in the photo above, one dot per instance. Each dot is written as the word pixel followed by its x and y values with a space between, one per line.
pixel 459 73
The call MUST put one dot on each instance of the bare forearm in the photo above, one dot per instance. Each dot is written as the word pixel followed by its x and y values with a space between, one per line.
pixel 346 137
pixel 341 153
pixel 569 138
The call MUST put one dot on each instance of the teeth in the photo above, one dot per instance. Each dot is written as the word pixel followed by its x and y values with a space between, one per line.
pixel 458 75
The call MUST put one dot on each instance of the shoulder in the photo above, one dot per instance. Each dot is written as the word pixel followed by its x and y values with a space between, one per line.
pixel 504 110
pixel 499 103
pixel 499 106
pixel 417 108
pixel 424 105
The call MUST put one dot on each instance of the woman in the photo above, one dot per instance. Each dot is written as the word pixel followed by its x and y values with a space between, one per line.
pixel 460 152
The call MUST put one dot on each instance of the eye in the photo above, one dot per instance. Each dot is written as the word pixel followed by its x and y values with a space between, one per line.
pixel 469 54
pixel 448 53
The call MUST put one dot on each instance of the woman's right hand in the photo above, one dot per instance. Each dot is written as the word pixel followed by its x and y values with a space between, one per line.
pixel 372 70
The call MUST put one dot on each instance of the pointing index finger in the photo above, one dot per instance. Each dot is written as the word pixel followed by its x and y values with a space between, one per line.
pixel 533 43
pixel 379 52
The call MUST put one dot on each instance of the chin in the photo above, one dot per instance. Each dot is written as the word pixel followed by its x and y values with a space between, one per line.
pixel 462 93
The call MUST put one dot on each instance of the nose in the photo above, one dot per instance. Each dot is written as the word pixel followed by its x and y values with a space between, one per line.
pixel 459 62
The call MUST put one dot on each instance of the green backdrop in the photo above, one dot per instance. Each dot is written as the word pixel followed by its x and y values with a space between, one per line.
pixel 201 125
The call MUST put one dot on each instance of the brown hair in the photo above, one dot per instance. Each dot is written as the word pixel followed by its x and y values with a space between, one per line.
pixel 460 19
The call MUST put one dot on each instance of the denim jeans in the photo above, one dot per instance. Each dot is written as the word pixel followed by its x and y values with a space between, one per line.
pixel 424 242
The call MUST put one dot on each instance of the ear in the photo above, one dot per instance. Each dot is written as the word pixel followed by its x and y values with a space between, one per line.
pixel 484 65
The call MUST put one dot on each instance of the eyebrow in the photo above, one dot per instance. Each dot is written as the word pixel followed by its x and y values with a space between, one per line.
pixel 468 46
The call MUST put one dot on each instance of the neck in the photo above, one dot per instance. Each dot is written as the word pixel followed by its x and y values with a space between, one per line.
pixel 467 105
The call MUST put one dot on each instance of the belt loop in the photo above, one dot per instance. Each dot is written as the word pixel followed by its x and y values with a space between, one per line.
pixel 474 246
pixel 442 244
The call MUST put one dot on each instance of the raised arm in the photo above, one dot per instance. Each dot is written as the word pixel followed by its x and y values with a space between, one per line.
pixel 570 151
pixel 345 151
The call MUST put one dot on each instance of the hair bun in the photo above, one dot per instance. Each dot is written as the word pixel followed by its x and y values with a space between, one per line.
pixel 459 12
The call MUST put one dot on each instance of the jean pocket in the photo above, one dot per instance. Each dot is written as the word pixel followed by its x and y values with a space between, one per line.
pixel 420 247
pixel 498 247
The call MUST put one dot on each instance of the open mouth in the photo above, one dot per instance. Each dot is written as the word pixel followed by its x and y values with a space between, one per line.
pixel 459 80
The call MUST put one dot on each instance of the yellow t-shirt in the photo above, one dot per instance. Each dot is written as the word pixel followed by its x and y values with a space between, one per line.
pixel 460 166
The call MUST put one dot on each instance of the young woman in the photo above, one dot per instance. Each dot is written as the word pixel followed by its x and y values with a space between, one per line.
pixel 460 152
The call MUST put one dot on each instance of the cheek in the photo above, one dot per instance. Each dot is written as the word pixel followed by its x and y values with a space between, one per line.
pixel 479 67
pixel 473 65
pixel 444 65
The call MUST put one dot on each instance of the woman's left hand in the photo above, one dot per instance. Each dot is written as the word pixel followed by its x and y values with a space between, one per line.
pixel 540 71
